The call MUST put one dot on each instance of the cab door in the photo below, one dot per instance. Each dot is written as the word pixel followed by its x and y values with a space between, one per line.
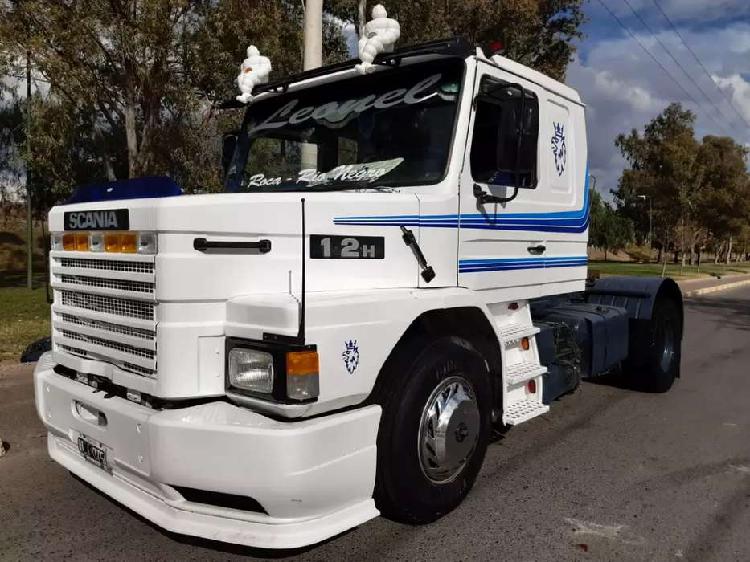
pixel 500 243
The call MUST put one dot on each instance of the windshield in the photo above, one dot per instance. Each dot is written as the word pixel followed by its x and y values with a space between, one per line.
pixel 390 128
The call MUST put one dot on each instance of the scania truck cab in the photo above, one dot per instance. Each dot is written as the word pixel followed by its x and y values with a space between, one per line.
pixel 398 266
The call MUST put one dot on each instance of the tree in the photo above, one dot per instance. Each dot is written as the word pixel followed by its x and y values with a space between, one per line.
pixel 723 205
pixel 133 83
pixel 608 229
pixel 663 165
pixel 537 33
pixel 12 138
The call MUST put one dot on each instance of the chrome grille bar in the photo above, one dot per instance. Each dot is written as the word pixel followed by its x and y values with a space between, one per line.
pixel 116 284
pixel 108 305
pixel 108 265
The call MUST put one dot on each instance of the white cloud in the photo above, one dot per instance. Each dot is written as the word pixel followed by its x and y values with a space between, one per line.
pixel 624 89
pixel 739 91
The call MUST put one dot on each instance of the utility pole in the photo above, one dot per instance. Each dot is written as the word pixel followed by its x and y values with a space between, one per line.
pixel 29 224
pixel 362 18
pixel 313 58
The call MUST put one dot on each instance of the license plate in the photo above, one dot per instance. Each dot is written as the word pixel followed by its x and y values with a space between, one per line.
pixel 93 452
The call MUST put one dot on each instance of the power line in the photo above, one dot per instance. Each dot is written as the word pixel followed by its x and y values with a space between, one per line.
pixel 679 65
pixel 656 61
pixel 700 63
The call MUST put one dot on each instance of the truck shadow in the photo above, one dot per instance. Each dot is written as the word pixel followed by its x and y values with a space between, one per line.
pixel 731 312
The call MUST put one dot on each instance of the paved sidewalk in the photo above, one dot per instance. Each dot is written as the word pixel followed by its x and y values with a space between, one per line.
pixel 696 287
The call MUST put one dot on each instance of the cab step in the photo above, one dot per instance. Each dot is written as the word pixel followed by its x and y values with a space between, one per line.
pixel 514 332
pixel 523 372
pixel 524 410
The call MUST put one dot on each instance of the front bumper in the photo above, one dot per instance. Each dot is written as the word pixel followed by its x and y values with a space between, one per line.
pixel 314 478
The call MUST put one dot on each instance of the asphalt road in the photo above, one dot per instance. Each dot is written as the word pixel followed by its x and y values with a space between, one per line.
pixel 608 474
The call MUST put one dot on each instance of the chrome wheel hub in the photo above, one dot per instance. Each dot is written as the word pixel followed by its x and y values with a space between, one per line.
pixel 448 429
pixel 667 352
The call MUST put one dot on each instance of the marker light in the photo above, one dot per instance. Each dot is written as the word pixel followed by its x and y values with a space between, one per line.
pixel 302 375
pixel 111 242
pixel 56 241
pixel 147 243
pixel 525 343
pixel 531 386
pixel 96 242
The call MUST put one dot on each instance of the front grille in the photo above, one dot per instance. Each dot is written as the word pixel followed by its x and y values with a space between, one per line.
pixel 116 284
pixel 107 265
pixel 126 336
pixel 109 305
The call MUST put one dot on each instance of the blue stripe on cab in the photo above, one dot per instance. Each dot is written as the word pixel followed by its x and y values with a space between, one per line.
pixel 510 264
pixel 557 221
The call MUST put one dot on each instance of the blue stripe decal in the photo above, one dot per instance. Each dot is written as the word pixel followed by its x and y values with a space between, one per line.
pixel 559 221
pixel 510 264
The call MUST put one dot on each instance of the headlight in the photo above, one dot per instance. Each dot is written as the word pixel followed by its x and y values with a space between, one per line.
pixel 251 370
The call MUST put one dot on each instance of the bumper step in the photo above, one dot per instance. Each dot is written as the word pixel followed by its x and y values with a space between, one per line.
pixel 523 410
pixel 523 372
pixel 514 332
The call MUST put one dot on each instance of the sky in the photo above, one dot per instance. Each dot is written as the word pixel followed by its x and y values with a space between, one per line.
pixel 623 88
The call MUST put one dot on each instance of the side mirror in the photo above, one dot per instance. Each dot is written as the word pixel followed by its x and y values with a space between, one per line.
pixel 229 144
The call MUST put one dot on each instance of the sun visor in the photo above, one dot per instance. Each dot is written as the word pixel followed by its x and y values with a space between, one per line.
pixel 138 188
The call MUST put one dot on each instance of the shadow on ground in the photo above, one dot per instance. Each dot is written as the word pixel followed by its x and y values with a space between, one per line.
pixel 731 312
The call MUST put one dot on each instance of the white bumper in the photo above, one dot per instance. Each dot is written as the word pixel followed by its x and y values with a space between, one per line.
pixel 314 478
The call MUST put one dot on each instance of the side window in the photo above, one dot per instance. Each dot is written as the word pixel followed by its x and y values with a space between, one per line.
pixel 506 130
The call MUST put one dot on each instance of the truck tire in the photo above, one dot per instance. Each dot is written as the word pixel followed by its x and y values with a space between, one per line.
pixel 661 363
pixel 436 398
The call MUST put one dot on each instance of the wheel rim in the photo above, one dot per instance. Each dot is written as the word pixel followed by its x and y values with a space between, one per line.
pixel 668 346
pixel 448 429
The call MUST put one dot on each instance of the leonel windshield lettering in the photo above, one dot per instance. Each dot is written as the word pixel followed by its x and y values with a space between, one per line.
pixel 391 128
pixel 336 112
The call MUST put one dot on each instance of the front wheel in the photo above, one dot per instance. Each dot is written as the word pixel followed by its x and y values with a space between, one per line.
pixel 434 430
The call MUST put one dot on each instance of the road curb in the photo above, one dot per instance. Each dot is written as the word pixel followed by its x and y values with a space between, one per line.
pixel 716 288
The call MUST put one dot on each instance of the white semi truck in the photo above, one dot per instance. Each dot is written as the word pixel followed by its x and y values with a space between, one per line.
pixel 398 265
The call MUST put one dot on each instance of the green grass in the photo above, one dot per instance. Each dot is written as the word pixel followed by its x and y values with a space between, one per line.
pixel 673 270
pixel 24 318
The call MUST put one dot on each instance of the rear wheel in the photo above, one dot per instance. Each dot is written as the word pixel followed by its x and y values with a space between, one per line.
pixel 661 361
pixel 436 399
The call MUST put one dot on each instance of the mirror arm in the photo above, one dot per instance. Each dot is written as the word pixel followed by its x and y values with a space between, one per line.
pixel 483 197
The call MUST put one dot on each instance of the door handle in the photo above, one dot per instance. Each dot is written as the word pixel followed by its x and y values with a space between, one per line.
pixel 537 250
pixel 202 244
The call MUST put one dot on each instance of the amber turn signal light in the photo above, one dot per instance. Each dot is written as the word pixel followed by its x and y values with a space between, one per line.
pixel 300 363
pixel 76 242
pixel 121 243
pixel 302 375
